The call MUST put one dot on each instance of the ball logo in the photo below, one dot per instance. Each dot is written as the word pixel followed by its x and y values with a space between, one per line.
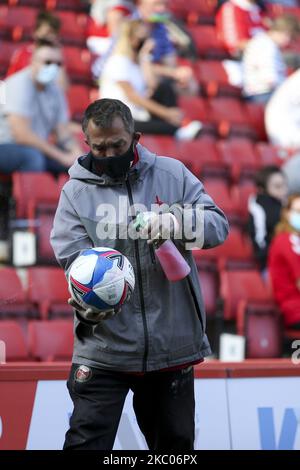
pixel 83 374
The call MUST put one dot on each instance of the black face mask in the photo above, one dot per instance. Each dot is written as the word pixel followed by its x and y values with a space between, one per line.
pixel 115 167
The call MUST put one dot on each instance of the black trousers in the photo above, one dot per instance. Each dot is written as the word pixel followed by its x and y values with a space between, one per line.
pixel 163 403
pixel 164 94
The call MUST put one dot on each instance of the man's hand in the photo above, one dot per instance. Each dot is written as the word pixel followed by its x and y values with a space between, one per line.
pixel 160 227
pixel 91 314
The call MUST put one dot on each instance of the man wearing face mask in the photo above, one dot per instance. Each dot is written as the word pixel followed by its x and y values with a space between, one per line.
pixel 150 346
pixel 35 108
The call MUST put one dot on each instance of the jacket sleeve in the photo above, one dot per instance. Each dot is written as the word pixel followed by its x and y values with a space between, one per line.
pixel 202 223
pixel 68 236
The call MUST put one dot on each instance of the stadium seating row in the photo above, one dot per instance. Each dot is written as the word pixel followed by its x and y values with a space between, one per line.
pixel 42 340
pixel 243 298
pixel 44 294
pixel 16 23
pixel 73 5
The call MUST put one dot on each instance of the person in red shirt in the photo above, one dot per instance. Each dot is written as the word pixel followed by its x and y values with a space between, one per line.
pixel 47 28
pixel 284 263
pixel 238 21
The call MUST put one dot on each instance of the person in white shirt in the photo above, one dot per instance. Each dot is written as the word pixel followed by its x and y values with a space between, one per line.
pixel 129 76
pixel 263 63
pixel 282 116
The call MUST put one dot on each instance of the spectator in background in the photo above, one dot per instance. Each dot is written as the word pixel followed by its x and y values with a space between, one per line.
pixel 264 210
pixel 282 116
pixel 106 16
pixel 47 28
pixel 164 56
pixel 284 263
pixel 238 21
pixel 35 108
pixel 129 76
pixel 264 68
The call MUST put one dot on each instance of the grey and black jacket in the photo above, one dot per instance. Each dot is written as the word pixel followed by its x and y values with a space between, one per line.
pixel 163 324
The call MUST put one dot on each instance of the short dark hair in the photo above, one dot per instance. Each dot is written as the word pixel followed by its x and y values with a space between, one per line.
pixel 263 175
pixel 47 17
pixel 104 111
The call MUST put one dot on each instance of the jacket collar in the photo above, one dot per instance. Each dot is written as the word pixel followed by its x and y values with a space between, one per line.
pixel 81 169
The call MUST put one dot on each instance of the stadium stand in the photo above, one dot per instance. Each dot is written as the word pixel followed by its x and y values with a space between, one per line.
pixel 236 285
pixel 14 301
pixel 47 289
pixel 51 340
pixel 261 325
pixel 15 344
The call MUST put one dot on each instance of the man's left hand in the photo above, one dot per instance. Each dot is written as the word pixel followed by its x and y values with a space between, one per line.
pixel 160 227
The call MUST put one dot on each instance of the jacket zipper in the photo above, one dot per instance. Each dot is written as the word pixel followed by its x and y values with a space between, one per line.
pixel 138 261
pixel 152 254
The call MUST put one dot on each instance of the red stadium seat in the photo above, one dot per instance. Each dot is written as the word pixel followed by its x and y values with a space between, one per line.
pixel 240 154
pixel 48 289
pixel 78 99
pixel 256 118
pixel 195 11
pixel 36 196
pixel 194 107
pixel 26 3
pixel 219 190
pixel 78 64
pixel 44 216
pixel 237 285
pixel 241 193
pixel 235 252
pixel 261 324
pixel 201 156
pixel 230 109
pixel 31 189
pixel 7 50
pixel 51 340
pixel 17 22
pixel 213 77
pixel 209 287
pixel 207 42
pixel 73 27
pixel 13 298
pixel 15 345
pixel 269 154
pixel 161 145
pixel 73 5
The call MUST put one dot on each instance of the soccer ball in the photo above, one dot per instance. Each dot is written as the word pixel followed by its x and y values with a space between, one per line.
pixel 101 279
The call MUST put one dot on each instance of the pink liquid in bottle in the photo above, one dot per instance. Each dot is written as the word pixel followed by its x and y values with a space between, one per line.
pixel 172 262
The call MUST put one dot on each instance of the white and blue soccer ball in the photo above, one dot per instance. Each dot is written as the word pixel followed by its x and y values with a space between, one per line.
pixel 101 278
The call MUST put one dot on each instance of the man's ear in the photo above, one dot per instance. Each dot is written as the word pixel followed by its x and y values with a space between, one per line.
pixel 137 136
